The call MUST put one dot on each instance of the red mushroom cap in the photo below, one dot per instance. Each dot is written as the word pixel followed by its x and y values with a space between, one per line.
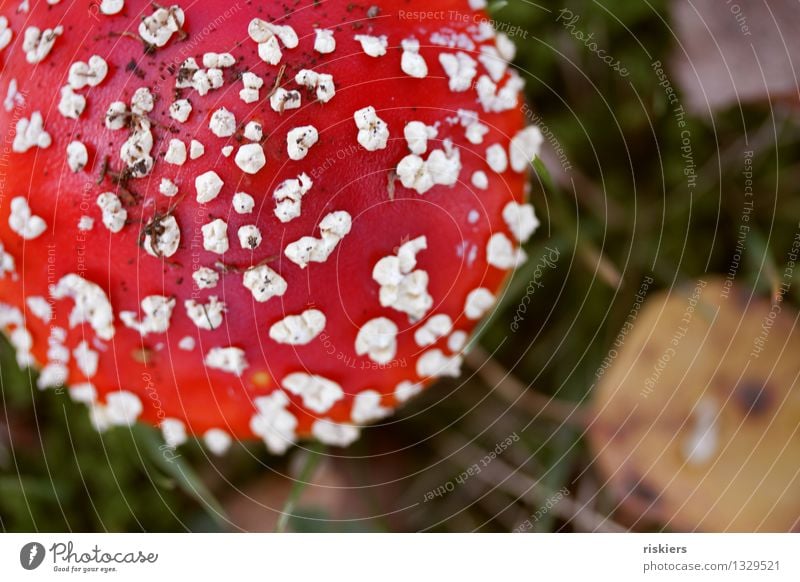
pixel 236 221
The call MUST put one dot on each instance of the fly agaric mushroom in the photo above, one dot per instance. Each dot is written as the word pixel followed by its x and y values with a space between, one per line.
pixel 237 222
pixel 695 423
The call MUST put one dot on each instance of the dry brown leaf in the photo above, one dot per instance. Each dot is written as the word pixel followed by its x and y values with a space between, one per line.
pixel 697 422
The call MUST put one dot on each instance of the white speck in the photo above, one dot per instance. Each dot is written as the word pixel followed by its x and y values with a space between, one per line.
pixel 142 101
pixel 7 265
pixel 525 147
pixel 249 236
pixel 500 252
pixel 417 135
pixel 252 84
pixel 298 330
pixel 319 394
pixel 504 99
pixel 222 123
pixel 217 440
pixel 159 27
pixel 187 343
pixel 460 69
pixel 39 306
pixel 321 83
pixel 176 153
pixel 243 203
pixel 250 158
pixel 208 186
pixel 173 431
pixel 77 156
pixel 478 302
pixel 116 116
pixel 253 131
pixel 85 393
pixel 228 359
pixel 205 315
pixel 333 228
pixel 434 364
pixel 434 328
pixel 506 47
pixel 111 7
pixel 71 104
pixel 114 215
pixel 367 407
pixel 85 223
pixel 521 220
pixel 441 168
pixel 91 304
pixel 300 140
pixel 30 133
pixel 37 43
pixel 496 158
pixel 156 311
pixel 22 220
pixel 495 65
pixel 457 341
pixel 406 390
pixel 273 423
pixel 215 236
pixel 373 133
pixel 479 180
pixel 180 110
pixel 412 63
pixel 377 338
pixel 264 283
pixel 374 46
pixel 123 408
pixel 205 278
pixel 282 100
pixel 288 196
pixel 90 74
pixel 218 60
pixel 333 433
pixel 196 149
pixel 401 287
pixel 5 33
pixel 261 31
pixel 13 96
pixel 167 187
pixel 324 42
pixel 52 375
pixel 167 240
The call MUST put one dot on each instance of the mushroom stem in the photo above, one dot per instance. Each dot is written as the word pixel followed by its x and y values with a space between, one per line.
pixel 510 389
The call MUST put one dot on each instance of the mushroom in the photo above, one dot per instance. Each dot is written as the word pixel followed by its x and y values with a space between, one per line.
pixel 280 230
pixel 695 421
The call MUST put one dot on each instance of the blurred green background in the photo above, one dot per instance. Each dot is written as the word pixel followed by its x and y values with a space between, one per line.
pixel 616 208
